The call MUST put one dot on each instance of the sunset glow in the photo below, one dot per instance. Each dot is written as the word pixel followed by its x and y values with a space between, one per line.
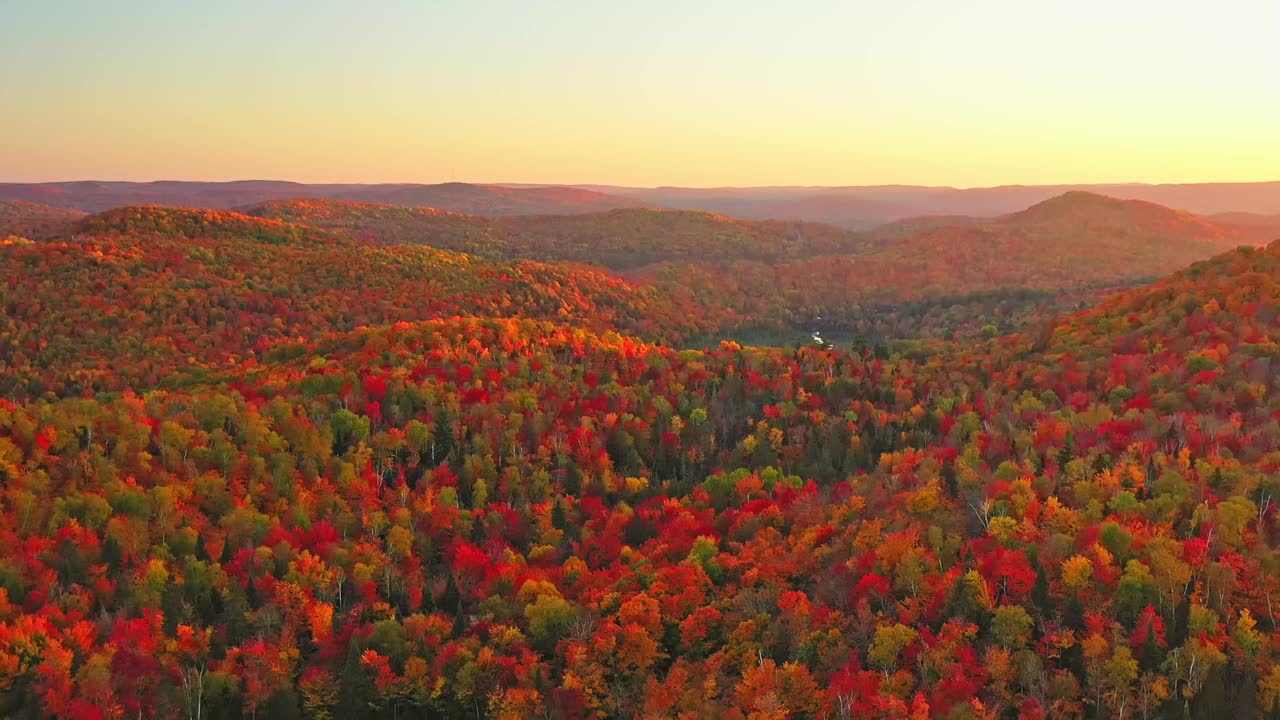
pixel 702 94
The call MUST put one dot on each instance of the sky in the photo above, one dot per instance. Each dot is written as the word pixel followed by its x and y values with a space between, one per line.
pixel 660 92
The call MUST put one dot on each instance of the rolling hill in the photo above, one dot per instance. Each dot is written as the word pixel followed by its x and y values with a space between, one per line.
pixel 631 239
pixel 1051 257
pixel 855 207
pixel 390 224
pixel 136 294
pixel 489 200
pixel 34 221
pixel 924 276
pixel 1261 228
pixel 93 196
pixel 211 287
pixel 1246 218
pixel 537 519
pixel 96 196
pixel 865 207
pixel 911 225
pixel 622 239
pixel 156 290
pixel 1071 240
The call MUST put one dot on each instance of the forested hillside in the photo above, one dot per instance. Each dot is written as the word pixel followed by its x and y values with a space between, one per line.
pixel 619 239
pixel 1072 241
pixel 251 467
pixel 928 277
pixel 135 294
pixel 489 200
pixel 1004 273
pixel 31 221
pixel 94 196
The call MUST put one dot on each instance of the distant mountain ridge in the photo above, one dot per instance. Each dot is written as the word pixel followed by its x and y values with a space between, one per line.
pixel 864 207
pixel 853 207
pixel 93 196
pixel 490 200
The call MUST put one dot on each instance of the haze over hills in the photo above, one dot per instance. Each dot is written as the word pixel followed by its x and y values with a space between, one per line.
pixel 1008 271
pixel 621 239
pixel 919 277
pixel 1246 218
pixel 489 200
pixel 860 208
pixel 32 220
pixel 1078 223
pixel 96 196
pixel 93 196
pixel 917 223
pixel 1072 240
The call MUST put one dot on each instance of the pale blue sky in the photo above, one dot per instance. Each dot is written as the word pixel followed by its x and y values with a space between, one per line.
pixel 659 92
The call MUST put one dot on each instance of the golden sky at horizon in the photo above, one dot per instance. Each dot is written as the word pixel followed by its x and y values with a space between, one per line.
pixel 665 93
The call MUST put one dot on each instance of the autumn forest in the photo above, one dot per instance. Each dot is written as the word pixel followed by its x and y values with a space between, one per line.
pixel 341 458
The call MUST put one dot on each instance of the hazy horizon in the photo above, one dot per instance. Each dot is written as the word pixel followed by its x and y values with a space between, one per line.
pixel 532 184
